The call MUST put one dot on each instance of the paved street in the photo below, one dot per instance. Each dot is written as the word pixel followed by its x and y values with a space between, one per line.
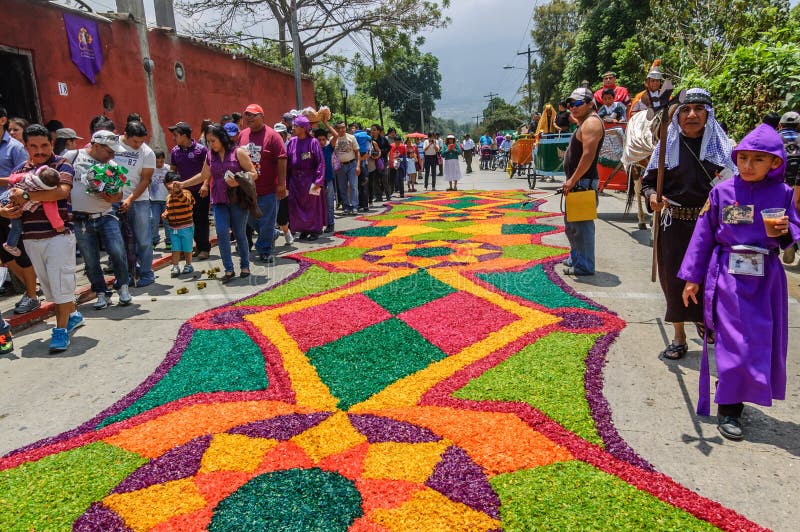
pixel 652 401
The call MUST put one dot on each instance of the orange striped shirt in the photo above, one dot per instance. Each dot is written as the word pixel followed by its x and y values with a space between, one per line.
pixel 179 209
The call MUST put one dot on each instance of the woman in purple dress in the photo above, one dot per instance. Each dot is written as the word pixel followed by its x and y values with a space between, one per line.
pixel 745 295
pixel 305 179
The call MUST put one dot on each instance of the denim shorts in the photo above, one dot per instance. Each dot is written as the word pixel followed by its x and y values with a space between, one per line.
pixel 182 239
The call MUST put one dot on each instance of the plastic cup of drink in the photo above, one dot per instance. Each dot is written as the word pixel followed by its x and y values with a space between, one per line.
pixel 772 217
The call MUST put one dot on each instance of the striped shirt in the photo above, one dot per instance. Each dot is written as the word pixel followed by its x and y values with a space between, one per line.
pixel 35 225
pixel 179 209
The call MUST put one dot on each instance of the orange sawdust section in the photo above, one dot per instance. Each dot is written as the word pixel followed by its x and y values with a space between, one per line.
pixel 498 442
pixel 409 390
pixel 153 438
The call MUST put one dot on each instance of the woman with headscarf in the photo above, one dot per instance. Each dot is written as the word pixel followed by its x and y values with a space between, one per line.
pixel 305 179
pixel 547 123
pixel 698 156
pixel 452 169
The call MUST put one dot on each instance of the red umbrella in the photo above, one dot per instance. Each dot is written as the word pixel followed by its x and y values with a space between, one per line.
pixel 416 136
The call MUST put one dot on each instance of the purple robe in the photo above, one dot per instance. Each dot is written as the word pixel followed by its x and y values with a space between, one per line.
pixel 748 313
pixel 305 165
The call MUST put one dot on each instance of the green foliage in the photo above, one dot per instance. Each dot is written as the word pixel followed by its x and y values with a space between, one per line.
pixel 555 26
pixel 500 115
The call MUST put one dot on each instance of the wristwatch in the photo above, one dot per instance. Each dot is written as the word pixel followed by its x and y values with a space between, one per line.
pixel 26 196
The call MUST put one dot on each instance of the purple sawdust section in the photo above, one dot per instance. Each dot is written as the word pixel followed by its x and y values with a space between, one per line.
pixel 175 464
pixel 231 316
pixel 462 480
pixel 579 320
pixel 100 518
pixel 173 356
pixel 593 382
pixel 380 429
pixel 281 428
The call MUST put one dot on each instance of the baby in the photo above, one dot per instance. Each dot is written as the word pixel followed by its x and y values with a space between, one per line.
pixel 43 178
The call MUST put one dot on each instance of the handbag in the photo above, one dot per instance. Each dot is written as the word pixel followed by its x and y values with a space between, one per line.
pixel 379 164
pixel 335 162
pixel 581 205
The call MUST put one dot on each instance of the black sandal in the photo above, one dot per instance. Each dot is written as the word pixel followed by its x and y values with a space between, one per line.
pixel 228 277
pixel 701 332
pixel 675 351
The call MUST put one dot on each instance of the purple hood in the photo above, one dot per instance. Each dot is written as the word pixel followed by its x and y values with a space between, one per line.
pixel 764 138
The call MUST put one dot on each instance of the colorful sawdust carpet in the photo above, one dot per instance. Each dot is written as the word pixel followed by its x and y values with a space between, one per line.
pixel 431 373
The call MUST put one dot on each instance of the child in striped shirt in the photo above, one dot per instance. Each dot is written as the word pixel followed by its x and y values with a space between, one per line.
pixel 179 215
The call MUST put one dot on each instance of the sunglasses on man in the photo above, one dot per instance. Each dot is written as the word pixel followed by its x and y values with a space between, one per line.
pixel 577 103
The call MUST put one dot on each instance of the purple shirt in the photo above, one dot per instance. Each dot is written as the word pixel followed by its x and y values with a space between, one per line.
pixel 189 161
pixel 219 188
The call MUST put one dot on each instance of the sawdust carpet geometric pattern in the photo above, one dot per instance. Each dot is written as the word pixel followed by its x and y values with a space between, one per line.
pixel 429 373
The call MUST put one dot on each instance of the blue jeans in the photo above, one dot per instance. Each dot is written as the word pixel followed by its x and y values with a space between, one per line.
pixel 268 204
pixel 15 232
pixel 581 238
pixel 139 218
pixel 330 190
pixel 88 233
pixel 227 218
pixel 347 178
pixel 157 208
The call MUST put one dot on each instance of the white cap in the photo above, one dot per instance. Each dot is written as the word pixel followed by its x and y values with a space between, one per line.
pixel 791 118
pixel 581 93
pixel 108 138
pixel 280 127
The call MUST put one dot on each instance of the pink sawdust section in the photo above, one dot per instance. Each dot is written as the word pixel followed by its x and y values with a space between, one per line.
pixel 325 323
pixel 455 321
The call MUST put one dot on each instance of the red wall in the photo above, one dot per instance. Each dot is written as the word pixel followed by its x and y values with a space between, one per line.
pixel 215 83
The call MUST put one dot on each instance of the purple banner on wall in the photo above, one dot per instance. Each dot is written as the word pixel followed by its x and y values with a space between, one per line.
pixel 84 45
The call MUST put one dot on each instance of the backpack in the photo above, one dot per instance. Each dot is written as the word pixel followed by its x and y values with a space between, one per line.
pixel 792 145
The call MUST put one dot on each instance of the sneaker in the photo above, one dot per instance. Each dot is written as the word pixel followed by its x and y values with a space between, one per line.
pixel 26 304
pixel 175 271
pixel 6 342
pixel 289 238
pixel 102 301
pixel 59 341
pixel 13 250
pixel 730 427
pixel 187 269
pixel 124 295
pixel 141 283
pixel 789 255
pixel 75 321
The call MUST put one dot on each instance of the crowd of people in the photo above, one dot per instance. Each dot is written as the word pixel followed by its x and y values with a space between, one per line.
pixel 63 197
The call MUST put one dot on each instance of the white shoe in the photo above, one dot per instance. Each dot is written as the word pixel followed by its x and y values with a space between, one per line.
pixel 124 295
pixel 175 271
pixel 289 238
pixel 102 302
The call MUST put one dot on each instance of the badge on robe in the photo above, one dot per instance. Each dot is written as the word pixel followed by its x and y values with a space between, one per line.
pixel 705 208
pixel 306 155
pixel 737 214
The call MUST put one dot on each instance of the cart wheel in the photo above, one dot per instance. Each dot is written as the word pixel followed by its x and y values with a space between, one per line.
pixel 532 179
pixel 493 165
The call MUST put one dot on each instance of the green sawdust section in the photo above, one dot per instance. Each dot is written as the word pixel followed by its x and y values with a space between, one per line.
pixel 409 292
pixel 51 493
pixel 296 499
pixel 312 281
pixel 549 376
pixel 534 285
pixel 225 360
pixel 362 364
pixel 532 252
pixel 569 496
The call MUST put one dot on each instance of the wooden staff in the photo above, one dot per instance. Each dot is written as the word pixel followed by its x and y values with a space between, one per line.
pixel 665 101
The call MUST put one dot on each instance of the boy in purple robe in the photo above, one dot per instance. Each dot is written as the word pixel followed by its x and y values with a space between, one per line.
pixel 305 180
pixel 745 294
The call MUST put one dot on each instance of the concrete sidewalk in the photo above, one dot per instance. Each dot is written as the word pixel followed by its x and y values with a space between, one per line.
pixel 652 401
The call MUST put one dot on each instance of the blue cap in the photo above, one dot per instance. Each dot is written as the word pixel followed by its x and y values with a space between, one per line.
pixel 232 129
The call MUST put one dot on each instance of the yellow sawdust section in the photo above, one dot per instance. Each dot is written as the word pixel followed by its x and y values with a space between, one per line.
pixel 334 435
pixel 235 452
pixel 144 509
pixel 309 389
pixel 154 437
pixel 431 511
pixel 489 228
pixel 408 391
pixel 413 462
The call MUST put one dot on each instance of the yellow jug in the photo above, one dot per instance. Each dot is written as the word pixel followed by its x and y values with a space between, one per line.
pixel 581 206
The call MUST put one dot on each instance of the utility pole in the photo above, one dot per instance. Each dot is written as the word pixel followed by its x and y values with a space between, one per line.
pixel 421 117
pixel 377 85
pixel 298 82
pixel 530 95
pixel 491 96
pixel 477 119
